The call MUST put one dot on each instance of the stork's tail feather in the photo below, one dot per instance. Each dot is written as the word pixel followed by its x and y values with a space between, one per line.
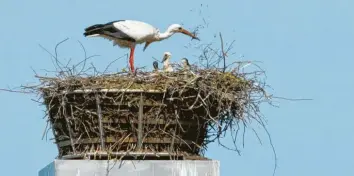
pixel 94 30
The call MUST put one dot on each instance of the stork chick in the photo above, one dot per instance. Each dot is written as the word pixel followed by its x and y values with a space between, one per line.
pixel 166 62
pixel 185 64
pixel 156 66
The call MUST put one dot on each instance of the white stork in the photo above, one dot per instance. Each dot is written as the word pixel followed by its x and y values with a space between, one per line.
pixel 128 33
pixel 156 66
pixel 166 62
pixel 185 64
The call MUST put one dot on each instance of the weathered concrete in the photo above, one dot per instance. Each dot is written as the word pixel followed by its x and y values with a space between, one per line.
pixel 131 168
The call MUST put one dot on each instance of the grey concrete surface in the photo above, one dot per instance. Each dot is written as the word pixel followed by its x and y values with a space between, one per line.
pixel 131 168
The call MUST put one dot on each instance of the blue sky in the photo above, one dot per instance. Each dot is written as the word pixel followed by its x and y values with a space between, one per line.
pixel 306 47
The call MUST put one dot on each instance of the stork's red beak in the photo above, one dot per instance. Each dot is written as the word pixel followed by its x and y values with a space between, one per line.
pixel 189 34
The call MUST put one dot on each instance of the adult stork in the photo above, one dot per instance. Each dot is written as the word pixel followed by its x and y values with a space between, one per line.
pixel 129 33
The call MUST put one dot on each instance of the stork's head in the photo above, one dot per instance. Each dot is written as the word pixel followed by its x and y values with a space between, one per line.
pixel 177 28
pixel 156 65
pixel 166 56
pixel 185 61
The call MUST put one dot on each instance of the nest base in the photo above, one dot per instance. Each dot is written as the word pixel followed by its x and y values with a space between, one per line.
pixel 175 113
pixel 132 156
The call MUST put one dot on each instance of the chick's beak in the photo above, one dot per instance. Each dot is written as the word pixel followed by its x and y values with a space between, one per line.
pixel 189 34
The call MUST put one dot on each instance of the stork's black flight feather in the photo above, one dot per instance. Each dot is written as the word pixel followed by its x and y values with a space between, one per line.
pixel 109 30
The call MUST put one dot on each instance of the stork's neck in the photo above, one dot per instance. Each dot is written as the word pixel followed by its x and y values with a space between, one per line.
pixel 168 33
pixel 166 62
pixel 165 35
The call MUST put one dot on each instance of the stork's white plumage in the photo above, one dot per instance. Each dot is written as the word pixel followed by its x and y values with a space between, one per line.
pixel 128 33
pixel 166 62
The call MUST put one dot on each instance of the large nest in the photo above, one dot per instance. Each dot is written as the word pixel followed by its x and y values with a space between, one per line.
pixel 177 113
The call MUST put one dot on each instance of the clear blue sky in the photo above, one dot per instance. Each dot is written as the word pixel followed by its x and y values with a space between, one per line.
pixel 306 46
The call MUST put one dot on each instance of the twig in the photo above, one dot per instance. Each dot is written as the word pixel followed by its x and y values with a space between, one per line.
pixel 223 52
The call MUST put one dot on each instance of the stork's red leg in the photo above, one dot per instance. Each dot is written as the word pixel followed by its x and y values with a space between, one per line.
pixel 131 58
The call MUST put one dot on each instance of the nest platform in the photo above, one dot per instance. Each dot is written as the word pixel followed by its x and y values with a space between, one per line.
pixel 148 115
